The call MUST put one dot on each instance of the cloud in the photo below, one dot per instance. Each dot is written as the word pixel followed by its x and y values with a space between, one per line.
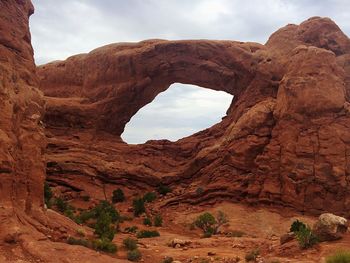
pixel 67 27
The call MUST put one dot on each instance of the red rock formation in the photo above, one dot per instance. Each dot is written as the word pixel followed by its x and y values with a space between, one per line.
pixel 285 139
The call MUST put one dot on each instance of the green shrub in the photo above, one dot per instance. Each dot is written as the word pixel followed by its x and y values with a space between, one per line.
pixel 134 255
pixel 199 191
pixel 168 260
pixel 305 237
pixel 130 244
pixel 163 189
pixel 47 194
pixel 158 220
pixel 118 196
pixel 131 229
pixel 103 227
pixel 86 198
pixel 252 255
pixel 206 222
pixel 147 221
pixel 81 232
pixel 104 245
pixel 139 206
pixel 149 197
pixel 340 256
pixel 84 216
pixel 108 208
pixel 61 204
pixel 78 242
pixel 147 234
pixel 296 226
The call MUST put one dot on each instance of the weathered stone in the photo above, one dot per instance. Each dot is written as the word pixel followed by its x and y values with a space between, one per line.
pixel 330 227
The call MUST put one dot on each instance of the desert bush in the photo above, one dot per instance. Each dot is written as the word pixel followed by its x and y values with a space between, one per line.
pixel 305 237
pixel 130 244
pixel 296 226
pixel 118 196
pixel 139 206
pixel 104 228
pixel 158 220
pixel 61 204
pixel 209 224
pixel 168 260
pixel 104 245
pixel 147 221
pixel 131 229
pixel 47 194
pixel 340 256
pixel 81 232
pixel 149 197
pixel 147 234
pixel 163 189
pixel 134 255
pixel 78 241
pixel 86 198
pixel 252 255
pixel 108 208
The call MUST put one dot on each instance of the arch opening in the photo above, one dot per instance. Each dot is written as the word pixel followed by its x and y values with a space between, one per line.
pixel 178 112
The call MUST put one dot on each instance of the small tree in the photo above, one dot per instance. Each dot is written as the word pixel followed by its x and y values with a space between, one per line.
pixel 147 221
pixel 103 227
pixel 206 222
pixel 118 196
pixel 158 220
pixel 139 206
pixel 130 244
pixel 221 219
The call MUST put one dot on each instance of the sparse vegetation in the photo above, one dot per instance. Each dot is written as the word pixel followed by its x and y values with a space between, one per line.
pixel 134 255
pixel 163 189
pixel 139 206
pixel 104 245
pixel 340 256
pixel 306 238
pixel 158 220
pixel 147 221
pixel 147 234
pixel 47 194
pixel 252 255
pixel 78 242
pixel 118 196
pixel 168 260
pixel 81 232
pixel 149 197
pixel 209 224
pixel 131 229
pixel 104 228
pixel 304 235
pixel 236 233
pixel 130 244
pixel 296 226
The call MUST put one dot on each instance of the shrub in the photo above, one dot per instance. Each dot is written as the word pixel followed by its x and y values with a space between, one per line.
pixel 252 255
pixel 147 234
pixel 163 189
pixel 339 257
pixel 306 238
pixel 147 221
pixel 103 227
pixel 168 260
pixel 81 232
pixel 149 197
pixel 108 208
pixel 199 191
pixel 86 215
pixel 139 206
pixel 206 222
pixel 134 255
pixel 47 194
pixel 131 229
pixel 158 220
pixel 86 198
pixel 77 242
pixel 296 226
pixel 130 244
pixel 104 245
pixel 61 204
pixel 118 196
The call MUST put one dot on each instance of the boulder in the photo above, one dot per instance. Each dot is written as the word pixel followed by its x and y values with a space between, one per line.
pixel 330 227
pixel 176 243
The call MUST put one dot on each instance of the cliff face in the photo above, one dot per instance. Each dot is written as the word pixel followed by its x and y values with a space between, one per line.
pixel 285 139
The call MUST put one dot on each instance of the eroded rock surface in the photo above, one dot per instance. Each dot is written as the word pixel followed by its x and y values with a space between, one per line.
pixel 285 139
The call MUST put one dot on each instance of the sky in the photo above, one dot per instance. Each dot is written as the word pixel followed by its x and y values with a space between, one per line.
pixel 67 27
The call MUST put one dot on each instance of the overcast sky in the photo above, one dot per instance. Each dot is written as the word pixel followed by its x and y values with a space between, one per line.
pixel 61 28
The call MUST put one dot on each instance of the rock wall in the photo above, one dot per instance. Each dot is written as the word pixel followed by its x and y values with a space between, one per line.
pixel 285 139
